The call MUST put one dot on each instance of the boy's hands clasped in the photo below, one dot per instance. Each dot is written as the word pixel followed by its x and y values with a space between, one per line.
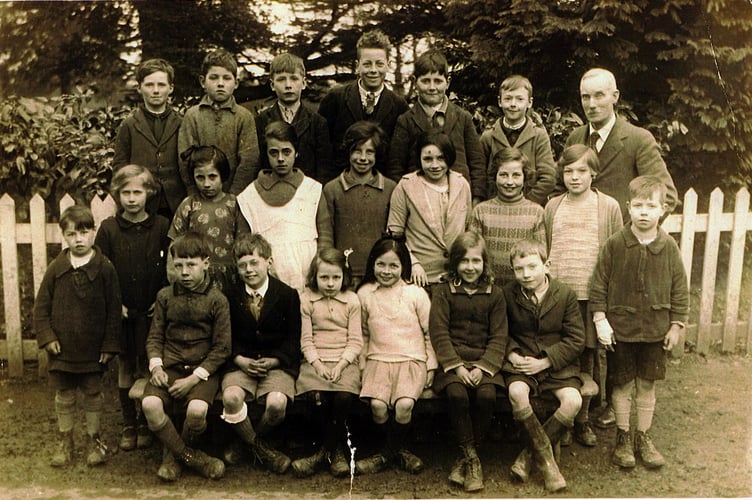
pixel 528 365
pixel 471 378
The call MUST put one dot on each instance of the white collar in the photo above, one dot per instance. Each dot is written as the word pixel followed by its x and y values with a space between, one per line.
pixel 261 291
pixel 77 262
pixel 364 92
pixel 605 130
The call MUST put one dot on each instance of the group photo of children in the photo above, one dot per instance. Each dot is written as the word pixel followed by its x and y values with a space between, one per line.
pixel 358 257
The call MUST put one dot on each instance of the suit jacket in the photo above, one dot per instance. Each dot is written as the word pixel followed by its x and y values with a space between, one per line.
pixel 458 125
pixel 554 330
pixel 342 107
pixel 276 334
pixel 135 143
pixel 314 149
pixel 534 142
pixel 628 152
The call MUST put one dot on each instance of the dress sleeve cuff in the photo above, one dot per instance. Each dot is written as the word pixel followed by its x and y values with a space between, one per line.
pixel 154 362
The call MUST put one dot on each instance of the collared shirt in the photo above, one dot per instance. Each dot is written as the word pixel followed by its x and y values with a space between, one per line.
pixel 603 132
pixel 536 297
pixel 77 262
pixel 431 110
pixel 288 112
pixel 261 290
pixel 364 94
pixel 349 181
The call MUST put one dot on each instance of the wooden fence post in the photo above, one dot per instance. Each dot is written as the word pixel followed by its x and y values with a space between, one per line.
pixel 38 219
pixel 735 269
pixel 709 268
pixel 11 299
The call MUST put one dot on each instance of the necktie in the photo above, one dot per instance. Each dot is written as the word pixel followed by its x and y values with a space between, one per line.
pixel 288 115
pixel 439 119
pixel 256 305
pixel 593 142
pixel 370 102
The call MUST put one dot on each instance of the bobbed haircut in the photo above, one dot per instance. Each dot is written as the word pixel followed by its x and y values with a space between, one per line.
pixel 465 241
pixel 526 247
pixel 575 153
pixel 127 173
pixel 150 66
pixel 207 156
pixel 374 39
pixel 222 58
pixel 385 245
pixel 441 141
pixel 644 186
pixel 508 155
pixel 281 131
pixel 190 245
pixel 515 82
pixel 432 61
pixel 287 63
pixel 333 257
pixel 249 243
pixel 77 217
pixel 360 132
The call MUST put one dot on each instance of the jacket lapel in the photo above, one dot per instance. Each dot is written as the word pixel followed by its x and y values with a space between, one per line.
pixel 171 127
pixel 302 121
pixel 143 127
pixel 614 144
pixel 270 299
pixel 352 100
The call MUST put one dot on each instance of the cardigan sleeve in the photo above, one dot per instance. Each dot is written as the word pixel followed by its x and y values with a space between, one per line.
pixel 598 299
pixel 545 170
pixel 438 325
pixel 221 337
pixel 324 226
pixel 248 152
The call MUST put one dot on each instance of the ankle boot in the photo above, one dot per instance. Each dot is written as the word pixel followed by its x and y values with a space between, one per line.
pixel 340 465
pixel 522 465
pixel 644 447
pixel 306 466
pixel 623 455
pixel 64 453
pixel 473 471
pixel 207 466
pixel 457 472
pixel 276 461
pixel 97 452
pixel 169 469
pixel 543 454
pixel 555 430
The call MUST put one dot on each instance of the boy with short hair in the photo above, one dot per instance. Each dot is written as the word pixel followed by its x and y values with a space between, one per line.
pixel 640 303
pixel 287 79
pixel 219 121
pixel 265 350
pixel 515 129
pixel 149 136
pixel 434 112
pixel 546 338
pixel 77 321
pixel 367 98
pixel 188 342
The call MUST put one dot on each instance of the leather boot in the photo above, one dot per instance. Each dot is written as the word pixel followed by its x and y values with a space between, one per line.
pixel 276 461
pixel 473 471
pixel 457 472
pixel 623 455
pixel 306 466
pixel 644 447
pixel 64 453
pixel 340 465
pixel 97 452
pixel 169 469
pixel 207 466
pixel 543 454
pixel 522 465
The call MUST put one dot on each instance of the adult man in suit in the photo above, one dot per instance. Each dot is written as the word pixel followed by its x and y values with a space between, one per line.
pixel 625 151
pixel 365 99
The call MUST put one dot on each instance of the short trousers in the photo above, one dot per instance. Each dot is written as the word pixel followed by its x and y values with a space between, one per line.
pixel 389 382
pixel 275 381
pixel 542 382
pixel 89 382
pixel 205 390
pixel 646 360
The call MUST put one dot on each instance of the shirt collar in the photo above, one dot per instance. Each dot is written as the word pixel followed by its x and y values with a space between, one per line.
pixel 540 294
pixel 363 92
pixel 202 288
pixel 316 296
pixel 376 181
pixel 229 104
pixel 268 179
pixel 459 289
pixel 125 223
pixel 294 108
pixel 261 291
pixel 430 110
pixel 606 129
pixel 654 246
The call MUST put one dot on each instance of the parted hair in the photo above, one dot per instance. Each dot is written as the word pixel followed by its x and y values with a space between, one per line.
pixel 287 63
pixel 222 58
pixel 574 153
pixel 360 132
pixel 77 216
pixel 150 66
pixel 465 241
pixel 125 174
pixel 249 243
pixel 515 82
pixel 281 131
pixel 431 61
pixel 190 245
pixel 333 257
pixel 507 155
pixel 523 248
pixel 441 141
pixel 388 244
pixel 644 186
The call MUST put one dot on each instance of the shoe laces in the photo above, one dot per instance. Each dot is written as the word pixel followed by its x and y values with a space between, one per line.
pixel 101 447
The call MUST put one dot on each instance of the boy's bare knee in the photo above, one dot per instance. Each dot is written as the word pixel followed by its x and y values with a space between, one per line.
pixel 276 407
pixel 152 406
pixel 233 399
pixel 197 409
pixel 403 410
pixel 379 410
pixel 519 394
pixel 570 401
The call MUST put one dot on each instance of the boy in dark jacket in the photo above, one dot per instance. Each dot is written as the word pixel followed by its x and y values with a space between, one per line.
pixel 265 350
pixel 77 321
pixel 546 338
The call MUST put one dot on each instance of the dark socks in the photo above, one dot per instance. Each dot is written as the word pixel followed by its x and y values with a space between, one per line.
pixel 128 407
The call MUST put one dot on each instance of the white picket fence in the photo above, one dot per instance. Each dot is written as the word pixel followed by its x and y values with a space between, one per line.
pixel 703 333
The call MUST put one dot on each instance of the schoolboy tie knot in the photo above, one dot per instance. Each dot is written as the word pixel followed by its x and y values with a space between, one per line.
pixel 593 141
pixel 370 102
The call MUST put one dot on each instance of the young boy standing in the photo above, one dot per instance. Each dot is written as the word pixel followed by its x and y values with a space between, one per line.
pixel 434 112
pixel 546 337
pixel 367 98
pixel 188 342
pixel 287 79
pixel 149 136
pixel 77 321
pixel 515 129
pixel 640 303
pixel 219 121
pixel 265 357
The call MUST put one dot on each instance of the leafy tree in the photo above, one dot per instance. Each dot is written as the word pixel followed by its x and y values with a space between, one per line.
pixel 48 46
